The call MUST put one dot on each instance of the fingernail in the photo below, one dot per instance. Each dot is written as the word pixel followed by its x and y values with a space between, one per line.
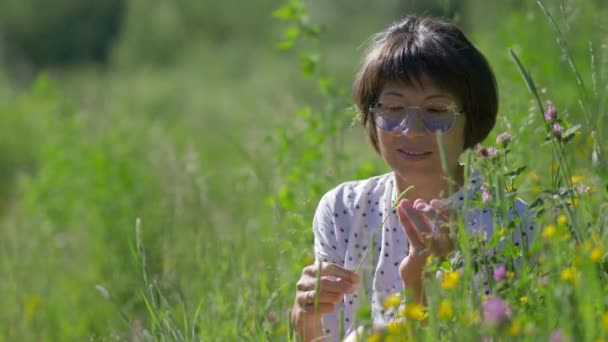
pixel 422 206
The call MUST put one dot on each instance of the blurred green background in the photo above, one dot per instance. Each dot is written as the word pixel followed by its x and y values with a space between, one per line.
pixel 182 113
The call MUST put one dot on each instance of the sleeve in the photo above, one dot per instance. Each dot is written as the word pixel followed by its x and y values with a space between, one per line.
pixel 328 249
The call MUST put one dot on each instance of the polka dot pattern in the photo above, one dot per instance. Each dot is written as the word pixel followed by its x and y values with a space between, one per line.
pixel 356 227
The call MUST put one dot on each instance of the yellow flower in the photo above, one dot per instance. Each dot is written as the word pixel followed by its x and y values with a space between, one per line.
pixel 280 330
pixel 523 299
pixel 510 274
pixel 568 274
pixel 533 176
pixel 395 328
pixel 445 309
pixel 577 179
pixel 587 245
pixel 483 297
pixel 392 301
pixel 549 231
pixel 414 312
pixel 376 337
pixel 30 307
pixel 501 232
pixel 596 254
pixel 450 280
pixel 536 190
pixel 605 320
pixel 562 220
pixel 515 329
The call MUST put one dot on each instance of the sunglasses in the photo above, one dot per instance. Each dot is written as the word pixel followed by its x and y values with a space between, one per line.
pixel 435 117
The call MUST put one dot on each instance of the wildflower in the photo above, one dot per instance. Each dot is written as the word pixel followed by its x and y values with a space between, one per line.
pixel 543 280
pixel 551 113
pixel 605 320
pixel 486 152
pixel 549 231
pixel 568 274
pixel 562 220
pixel 495 311
pixel 445 309
pixel 515 329
pixel 533 176
pixel 523 299
pixel 485 195
pixel 500 273
pixel 375 337
pixel 510 274
pixel 395 327
pixel 596 254
pixel 392 301
pixel 450 280
pixel 501 232
pixel 414 312
pixel 556 336
pixel 582 189
pixel 557 130
pixel 577 179
pixel 504 139
pixel 481 151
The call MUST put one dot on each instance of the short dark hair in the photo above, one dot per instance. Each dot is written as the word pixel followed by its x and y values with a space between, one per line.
pixel 418 46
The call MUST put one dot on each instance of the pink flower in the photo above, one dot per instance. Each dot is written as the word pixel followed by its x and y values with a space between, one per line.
pixel 551 113
pixel 504 139
pixel 500 273
pixel 495 311
pixel 557 130
pixel 583 189
pixel 556 336
pixel 492 151
pixel 543 280
pixel 485 194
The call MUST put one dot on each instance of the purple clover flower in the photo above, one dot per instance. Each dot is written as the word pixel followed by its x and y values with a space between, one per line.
pixel 504 139
pixel 556 336
pixel 557 130
pixel 485 194
pixel 551 113
pixel 500 273
pixel 492 151
pixel 495 311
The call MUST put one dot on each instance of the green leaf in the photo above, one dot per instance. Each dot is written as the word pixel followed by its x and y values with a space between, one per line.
pixel 516 172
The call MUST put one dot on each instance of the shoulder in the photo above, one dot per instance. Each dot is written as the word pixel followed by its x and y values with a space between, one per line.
pixel 348 194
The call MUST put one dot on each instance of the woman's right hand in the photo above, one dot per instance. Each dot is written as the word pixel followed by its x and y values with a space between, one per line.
pixel 335 281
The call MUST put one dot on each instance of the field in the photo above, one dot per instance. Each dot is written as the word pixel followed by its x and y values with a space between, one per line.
pixel 173 200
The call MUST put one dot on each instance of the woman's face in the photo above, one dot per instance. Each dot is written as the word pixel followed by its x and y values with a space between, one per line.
pixel 412 151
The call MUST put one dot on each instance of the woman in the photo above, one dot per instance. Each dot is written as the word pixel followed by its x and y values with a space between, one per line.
pixel 420 76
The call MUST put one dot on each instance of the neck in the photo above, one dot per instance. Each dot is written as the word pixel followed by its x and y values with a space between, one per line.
pixel 427 190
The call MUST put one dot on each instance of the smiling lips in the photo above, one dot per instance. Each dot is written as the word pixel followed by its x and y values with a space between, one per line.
pixel 414 155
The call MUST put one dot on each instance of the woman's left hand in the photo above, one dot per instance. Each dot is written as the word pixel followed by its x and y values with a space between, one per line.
pixel 428 232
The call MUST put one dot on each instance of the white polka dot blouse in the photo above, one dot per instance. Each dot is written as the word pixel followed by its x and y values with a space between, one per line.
pixel 355 224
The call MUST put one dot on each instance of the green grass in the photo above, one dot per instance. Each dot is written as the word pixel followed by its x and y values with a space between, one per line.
pixel 195 151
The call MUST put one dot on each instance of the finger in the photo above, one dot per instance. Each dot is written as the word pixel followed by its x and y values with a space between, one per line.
pixel 339 285
pixel 412 234
pixel 419 222
pixel 309 297
pixel 441 205
pixel 329 269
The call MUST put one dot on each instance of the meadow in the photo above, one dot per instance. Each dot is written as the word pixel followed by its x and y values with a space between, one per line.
pixel 172 199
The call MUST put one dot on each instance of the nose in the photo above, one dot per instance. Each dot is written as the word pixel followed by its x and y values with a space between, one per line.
pixel 413 125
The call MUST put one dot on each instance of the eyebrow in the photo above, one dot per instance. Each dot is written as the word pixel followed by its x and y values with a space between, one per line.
pixel 398 94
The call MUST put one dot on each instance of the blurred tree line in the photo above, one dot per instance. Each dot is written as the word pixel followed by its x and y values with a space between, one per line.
pixel 66 32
